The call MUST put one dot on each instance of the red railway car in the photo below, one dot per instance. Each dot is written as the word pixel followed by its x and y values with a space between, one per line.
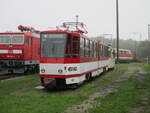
pixel 69 57
pixel 126 55
pixel 19 51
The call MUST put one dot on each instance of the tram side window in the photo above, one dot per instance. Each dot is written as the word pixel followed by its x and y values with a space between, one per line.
pixel 75 44
pixel 99 50
pixel 86 48
pixel 91 51
pixel 81 47
pixel 105 51
pixel 94 50
pixel 102 50
pixel 68 47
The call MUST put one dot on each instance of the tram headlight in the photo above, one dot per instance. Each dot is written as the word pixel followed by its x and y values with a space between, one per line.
pixel 42 70
pixel 60 70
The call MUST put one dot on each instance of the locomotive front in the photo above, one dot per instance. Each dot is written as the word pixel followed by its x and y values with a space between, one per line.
pixel 11 50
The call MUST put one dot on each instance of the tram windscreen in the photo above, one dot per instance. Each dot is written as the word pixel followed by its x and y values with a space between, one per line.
pixel 11 39
pixel 53 45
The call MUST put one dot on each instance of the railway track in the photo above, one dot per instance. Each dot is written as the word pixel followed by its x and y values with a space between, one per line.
pixel 10 76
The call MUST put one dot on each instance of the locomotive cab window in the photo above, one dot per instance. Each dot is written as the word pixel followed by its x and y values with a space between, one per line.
pixel 17 39
pixel 5 39
pixel 29 40
pixel 11 39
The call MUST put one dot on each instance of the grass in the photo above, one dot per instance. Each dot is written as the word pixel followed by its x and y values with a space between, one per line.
pixel 144 97
pixel 129 96
pixel 2 73
pixel 146 67
pixel 120 101
pixel 20 95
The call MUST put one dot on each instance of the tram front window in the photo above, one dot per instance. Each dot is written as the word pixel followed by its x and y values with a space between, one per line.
pixel 53 45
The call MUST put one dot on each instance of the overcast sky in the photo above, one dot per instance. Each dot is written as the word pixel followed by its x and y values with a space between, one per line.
pixel 98 15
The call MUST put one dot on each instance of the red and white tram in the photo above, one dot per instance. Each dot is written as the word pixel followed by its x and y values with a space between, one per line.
pixel 126 56
pixel 69 57
pixel 19 51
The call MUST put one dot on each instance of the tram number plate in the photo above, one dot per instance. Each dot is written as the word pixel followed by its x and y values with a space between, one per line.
pixel 72 69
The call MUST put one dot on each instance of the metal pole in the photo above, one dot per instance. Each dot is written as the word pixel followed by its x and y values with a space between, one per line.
pixel 77 16
pixel 117 29
pixel 148 32
pixel 148 40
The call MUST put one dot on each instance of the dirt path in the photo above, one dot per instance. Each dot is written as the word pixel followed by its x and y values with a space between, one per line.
pixel 141 76
pixel 103 91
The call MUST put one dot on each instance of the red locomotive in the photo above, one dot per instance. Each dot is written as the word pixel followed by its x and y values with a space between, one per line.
pixel 69 57
pixel 19 51
pixel 126 56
